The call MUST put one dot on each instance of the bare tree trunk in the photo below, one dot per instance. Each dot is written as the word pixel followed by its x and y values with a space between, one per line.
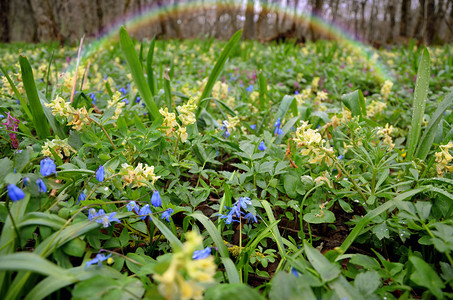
pixel 335 10
pixel 370 35
pixel 249 25
pixel 419 26
pixel 315 11
pixel 391 10
pixel 4 24
pixel 431 30
pixel 362 18
pixel 262 18
pixel 47 28
pixel 405 14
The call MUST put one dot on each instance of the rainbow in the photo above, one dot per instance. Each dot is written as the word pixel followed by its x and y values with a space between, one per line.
pixel 152 15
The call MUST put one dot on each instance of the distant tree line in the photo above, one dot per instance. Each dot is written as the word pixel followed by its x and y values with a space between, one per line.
pixel 374 21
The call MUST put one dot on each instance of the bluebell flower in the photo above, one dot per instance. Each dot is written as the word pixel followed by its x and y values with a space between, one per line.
pixel 100 174
pixel 81 197
pixel 123 91
pixel 340 156
pixel 126 101
pixel 93 98
pixel 132 206
pixel 144 211
pixel 41 186
pixel 277 125
pixel 251 218
pixel 15 193
pixel 137 100
pixel 243 201
pixel 226 133
pixel 48 167
pixel 167 214
pixel 98 260
pixel 253 126
pixel 296 93
pixel 250 88
pixel 92 214
pixel 156 200
pixel 228 218
pixel 294 272
pixel 26 181
pixel 200 254
pixel 262 146
pixel 106 219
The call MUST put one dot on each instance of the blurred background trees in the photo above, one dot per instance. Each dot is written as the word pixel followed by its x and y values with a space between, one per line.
pixel 378 22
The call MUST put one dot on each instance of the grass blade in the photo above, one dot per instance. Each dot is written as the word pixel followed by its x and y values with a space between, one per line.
pixel 39 118
pixel 17 94
pixel 420 93
pixel 213 232
pixel 430 132
pixel 275 232
pixel 137 73
pixel 149 68
pixel 215 73
pixel 263 90
pixel 230 268
pixel 174 241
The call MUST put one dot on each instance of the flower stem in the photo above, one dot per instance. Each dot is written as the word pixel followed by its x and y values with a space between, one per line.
pixel 12 221
pixel 105 132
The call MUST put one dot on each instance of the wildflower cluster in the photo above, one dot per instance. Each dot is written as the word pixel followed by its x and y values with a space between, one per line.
pixel 115 102
pixel 138 176
pixel 385 133
pixel 59 146
pixel 12 124
pixel 235 211
pixel 386 88
pixel 443 158
pixel 101 217
pixel 313 144
pixel 185 277
pixel 145 211
pixel 186 114
pixel 229 126
pixel 76 117
pixel 344 118
pixel 374 108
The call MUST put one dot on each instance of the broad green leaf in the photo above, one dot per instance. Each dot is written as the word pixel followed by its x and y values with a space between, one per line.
pixel 425 276
pixel 367 282
pixel 213 232
pixel 232 291
pixel 325 269
pixel 39 119
pixel 430 132
pixel 288 286
pixel 137 73
pixel 318 217
pixel 215 73
pixel 420 93
pixel 355 102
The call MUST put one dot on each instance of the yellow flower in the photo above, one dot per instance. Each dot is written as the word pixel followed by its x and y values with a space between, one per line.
pixel 315 83
pixel 169 120
pixel 186 112
pixel 138 176
pixel 59 146
pixel 443 158
pixel 60 107
pixel 385 90
pixel 183 134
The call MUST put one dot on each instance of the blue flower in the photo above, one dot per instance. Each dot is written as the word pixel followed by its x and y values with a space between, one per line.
pixel 145 211
pixel 98 260
pixel 200 254
pixel 262 146
pixel 81 197
pixel 15 193
pixel 294 272
pixel 92 213
pixel 226 133
pixel 167 214
pixel 156 200
pixel 253 126
pixel 100 174
pixel 340 156
pixel 41 186
pixel 296 93
pixel 137 100
pixel 48 167
pixel 229 218
pixel 277 125
pixel 251 218
pixel 93 98
pixel 26 181
pixel 132 206
pixel 106 219
pixel 123 91
pixel 250 88
pixel 243 201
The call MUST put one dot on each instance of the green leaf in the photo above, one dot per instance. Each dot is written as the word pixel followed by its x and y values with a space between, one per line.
pixel 291 182
pixel 215 73
pixel 230 268
pixel 275 232
pixel 137 73
pixel 367 282
pixel 39 119
pixel 31 262
pixel 425 276
pixel 355 102
pixel 149 68
pixel 213 232
pixel 22 101
pixel 420 94
pixel 263 90
pixel 232 291
pixel 318 217
pixel 75 247
pixel 325 269
pixel 288 286
pixel 430 132
pixel 174 241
